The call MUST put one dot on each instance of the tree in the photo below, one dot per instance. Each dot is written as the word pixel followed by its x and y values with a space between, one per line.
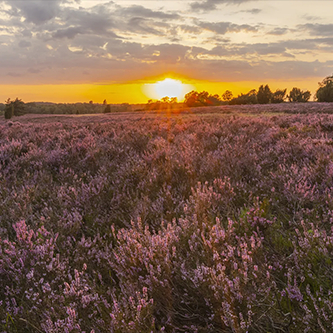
pixel 14 108
pixel 203 98
pixel 249 98
pixel 296 95
pixel 227 96
pixel 325 90
pixel 213 100
pixel 264 94
pixel 9 111
pixel 278 96
pixel 166 103
pixel 107 109
pixel 191 98
pixel 105 102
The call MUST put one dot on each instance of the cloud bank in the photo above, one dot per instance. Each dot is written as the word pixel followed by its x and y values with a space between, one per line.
pixel 66 42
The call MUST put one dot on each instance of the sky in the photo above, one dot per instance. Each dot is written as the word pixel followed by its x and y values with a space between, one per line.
pixel 77 51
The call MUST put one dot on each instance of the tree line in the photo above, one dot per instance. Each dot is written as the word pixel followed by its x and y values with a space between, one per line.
pixel 264 95
pixel 17 107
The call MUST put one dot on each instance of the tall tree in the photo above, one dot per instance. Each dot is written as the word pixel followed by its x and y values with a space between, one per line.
pixel 227 96
pixel 107 109
pixel 296 95
pixel 325 90
pixel 278 96
pixel 264 94
pixel 14 108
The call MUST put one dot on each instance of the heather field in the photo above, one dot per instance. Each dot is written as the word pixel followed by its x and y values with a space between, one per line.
pixel 206 220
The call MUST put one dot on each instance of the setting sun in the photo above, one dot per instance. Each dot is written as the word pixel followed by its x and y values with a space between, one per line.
pixel 167 88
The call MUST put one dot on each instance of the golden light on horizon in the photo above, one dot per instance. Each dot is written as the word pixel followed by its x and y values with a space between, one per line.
pixel 167 88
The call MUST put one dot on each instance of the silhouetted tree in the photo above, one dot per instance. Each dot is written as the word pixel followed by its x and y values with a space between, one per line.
pixel 164 104
pixel 14 108
pixel 296 95
pixel 249 98
pixel 91 102
pixel 107 109
pixel 203 98
pixel 325 90
pixel 264 94
pixel 9 111
pixel 227 96
pixel 278 96
pixel 191 98
pixel 105 102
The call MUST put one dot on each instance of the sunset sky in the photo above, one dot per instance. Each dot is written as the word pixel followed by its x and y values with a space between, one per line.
pixel 76 51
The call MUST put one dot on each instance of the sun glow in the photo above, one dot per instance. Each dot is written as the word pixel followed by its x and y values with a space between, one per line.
pixel 167 88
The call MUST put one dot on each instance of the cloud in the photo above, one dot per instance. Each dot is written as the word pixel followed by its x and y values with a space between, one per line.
pixel 127 42
pixel 35 11
pixel 14 74
pixel 251 11
pixel 209 5
pixel 143 26
pixel 69 33
pixel 140 11
pixel 278 31
pixel 24 44
pixel 34 71
pixel 225 27
pixel 316 29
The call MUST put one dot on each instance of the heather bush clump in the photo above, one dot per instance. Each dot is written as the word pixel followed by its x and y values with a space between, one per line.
pixel 182 224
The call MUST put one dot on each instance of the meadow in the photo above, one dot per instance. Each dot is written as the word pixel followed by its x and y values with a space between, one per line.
pixel 208 220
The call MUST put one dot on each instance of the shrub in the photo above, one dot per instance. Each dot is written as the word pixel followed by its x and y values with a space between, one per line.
pixel 176 224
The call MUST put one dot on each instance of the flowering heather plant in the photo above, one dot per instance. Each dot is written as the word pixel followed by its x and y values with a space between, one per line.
pixel 152 224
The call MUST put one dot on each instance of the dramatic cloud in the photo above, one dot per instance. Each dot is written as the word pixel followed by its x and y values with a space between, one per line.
pixel 60 41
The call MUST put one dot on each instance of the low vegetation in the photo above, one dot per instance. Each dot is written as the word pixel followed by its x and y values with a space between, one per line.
pixel 183 224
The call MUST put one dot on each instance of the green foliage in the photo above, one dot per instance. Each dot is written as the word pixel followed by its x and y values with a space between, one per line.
pixel 195 99
pixel 249 98
pixel 9 111
pixel 107 109
pixel 278 96
pixel 14 108
pixel 264 94
pixel 227 96
pixel 297 95
pixel 325 91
